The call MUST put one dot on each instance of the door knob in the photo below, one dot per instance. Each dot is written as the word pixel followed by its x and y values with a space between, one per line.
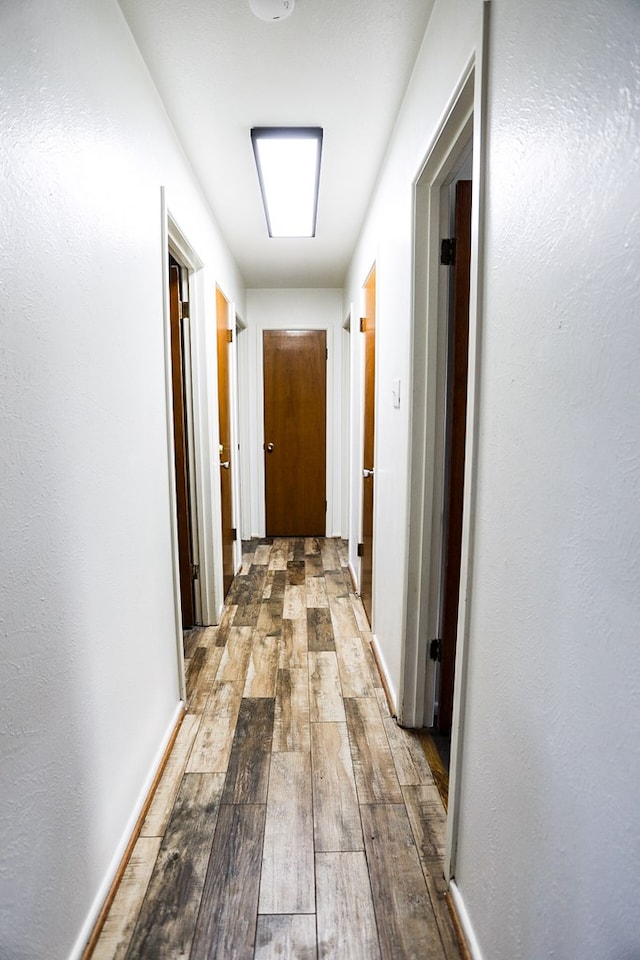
pixel 225 464
pixel 269 448
pixel 367 473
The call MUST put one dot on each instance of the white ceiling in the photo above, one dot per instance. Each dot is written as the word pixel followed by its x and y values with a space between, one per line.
pixel 339 64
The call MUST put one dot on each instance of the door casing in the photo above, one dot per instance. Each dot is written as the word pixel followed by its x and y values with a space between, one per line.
pixel 464 119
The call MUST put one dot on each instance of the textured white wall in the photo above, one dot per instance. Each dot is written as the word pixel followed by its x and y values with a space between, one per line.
pixel 549 851
pixel 87 641
pixel 298 309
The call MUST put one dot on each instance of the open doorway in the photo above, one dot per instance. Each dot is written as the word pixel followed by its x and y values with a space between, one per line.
pixel 183 460
pixel 445 258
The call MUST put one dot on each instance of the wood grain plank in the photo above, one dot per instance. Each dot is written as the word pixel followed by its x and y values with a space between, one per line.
pixel 295 603
pixel 311 546
pixel 358 611
pixel 293 645
pixel 336 815
pixel 344 622
pixel 161 806
pixel 226 621
pixel 375 772
pixel 270 618
pixel 197 702
pixel 325 694
pixel 262 554
pixel 212 747
pixel 248 770
pixel 406 923
pixel 279 555
pixel 118 928
pixel 167 920
pixel 319 629
pixel 275 583
pixel 411 763
pixel 383 703
pixel 291 727
pixel 235 659
pixel 191 641
pixel 336 584
pixel 288 882
pixel 428 821
pixel 296 572
pixel 316 589
pixel 342 547
pixel 279 937
pixel 354 669
pixel 374 672
pixel 346 919
pixel 227 920
pixel 247 615
pixel 313 566
pixel 263 666
pixel 329 554
pixel 196 664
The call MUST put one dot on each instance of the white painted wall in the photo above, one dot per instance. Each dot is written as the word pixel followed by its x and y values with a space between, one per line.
pixel 88 647
pixel 298 309
pixel 548 846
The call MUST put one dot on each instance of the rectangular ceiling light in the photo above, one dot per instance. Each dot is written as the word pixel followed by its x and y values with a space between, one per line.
pixel 288 162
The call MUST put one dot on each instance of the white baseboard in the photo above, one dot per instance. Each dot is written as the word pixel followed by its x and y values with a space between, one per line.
pixel 104 888
pixel 465 922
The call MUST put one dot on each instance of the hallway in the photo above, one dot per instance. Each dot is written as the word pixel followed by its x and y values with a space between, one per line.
pixel 294 818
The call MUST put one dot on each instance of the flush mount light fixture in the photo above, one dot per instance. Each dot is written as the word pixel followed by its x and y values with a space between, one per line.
pixel 272 9
pixel 288 162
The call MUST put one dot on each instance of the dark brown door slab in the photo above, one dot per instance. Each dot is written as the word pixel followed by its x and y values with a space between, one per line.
pixel 180 451
pixel 295 415
pixel 458 351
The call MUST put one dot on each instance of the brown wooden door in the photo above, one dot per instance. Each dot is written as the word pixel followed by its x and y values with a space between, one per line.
pixel 458 351
pixel 224 421
pixel 369 330
pixel 295 416
pixel 180 451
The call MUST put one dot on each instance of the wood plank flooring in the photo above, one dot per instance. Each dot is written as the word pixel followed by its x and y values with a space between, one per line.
pixel 294 818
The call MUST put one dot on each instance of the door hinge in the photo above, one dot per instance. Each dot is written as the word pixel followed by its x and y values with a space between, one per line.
pixel 448 252
pixel 325 506
pixel 230 336
pixel 326 353
pixel 363 324
pixel 195 571
pixel 234 534
pixel 361 549
pixel 435 650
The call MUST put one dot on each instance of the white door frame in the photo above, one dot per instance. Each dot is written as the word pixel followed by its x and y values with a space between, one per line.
pixel 464 119
pixel 173 240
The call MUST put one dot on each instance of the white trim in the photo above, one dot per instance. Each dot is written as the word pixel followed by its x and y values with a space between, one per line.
pixel 177 602
pixel 103 890
pixel 209 585
pixel 428 349
pixel 471 457
pixel 465 922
